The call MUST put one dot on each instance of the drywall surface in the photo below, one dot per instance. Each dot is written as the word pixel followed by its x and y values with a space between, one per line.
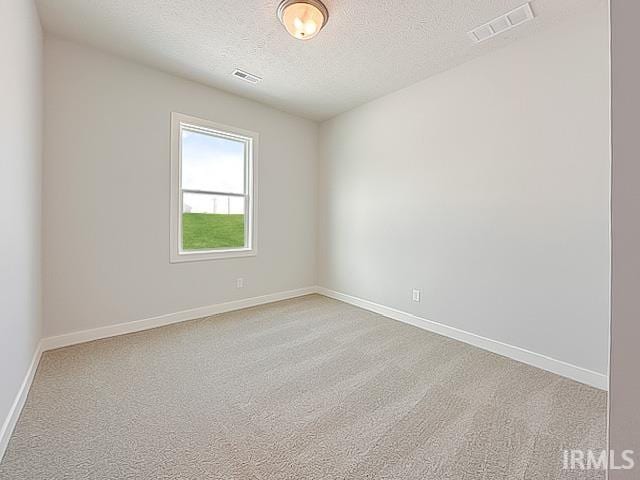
pixel 107 194
pixel 624 418
pixel 367 49
pixel 20 195
pixel 487 188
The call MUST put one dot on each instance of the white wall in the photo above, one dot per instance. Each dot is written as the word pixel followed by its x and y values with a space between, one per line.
pixel 487 187
pixel 107 125
pixel 624 393
pixel 20 195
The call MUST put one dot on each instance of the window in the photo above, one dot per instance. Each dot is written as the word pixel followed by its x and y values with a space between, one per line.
pixel 212 205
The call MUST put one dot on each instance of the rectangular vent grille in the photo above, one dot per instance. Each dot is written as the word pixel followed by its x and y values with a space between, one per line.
pixel 500 24
pixel 246 76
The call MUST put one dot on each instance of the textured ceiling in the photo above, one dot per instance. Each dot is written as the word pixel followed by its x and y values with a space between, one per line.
pixel 368 48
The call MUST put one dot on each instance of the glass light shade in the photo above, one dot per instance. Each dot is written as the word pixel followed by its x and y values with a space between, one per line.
pixel 301 19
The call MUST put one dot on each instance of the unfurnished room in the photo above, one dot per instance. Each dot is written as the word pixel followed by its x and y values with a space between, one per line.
pixel 319 239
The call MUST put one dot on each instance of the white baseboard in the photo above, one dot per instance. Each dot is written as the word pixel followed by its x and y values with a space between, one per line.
pixel 59 341
pixel 544 362
pixel 16 408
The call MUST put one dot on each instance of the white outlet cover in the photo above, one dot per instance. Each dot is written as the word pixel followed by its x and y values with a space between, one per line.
pixel 416 295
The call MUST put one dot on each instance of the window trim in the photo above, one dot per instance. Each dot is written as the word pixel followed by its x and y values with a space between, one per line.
pixel 177 255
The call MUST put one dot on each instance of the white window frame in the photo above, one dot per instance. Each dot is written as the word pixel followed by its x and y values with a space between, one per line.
pixel 178 121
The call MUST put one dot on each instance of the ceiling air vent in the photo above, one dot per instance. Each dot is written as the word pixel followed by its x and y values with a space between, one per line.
pixel 246 76
pixel 500 24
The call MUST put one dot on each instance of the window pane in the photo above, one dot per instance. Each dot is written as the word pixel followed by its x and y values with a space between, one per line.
pixel 212 221
pixel 212 163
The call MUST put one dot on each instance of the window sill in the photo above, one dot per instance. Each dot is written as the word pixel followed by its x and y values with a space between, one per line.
pixel 203 256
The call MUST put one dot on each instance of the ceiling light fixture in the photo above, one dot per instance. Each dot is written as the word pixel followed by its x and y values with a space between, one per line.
pixel 303 19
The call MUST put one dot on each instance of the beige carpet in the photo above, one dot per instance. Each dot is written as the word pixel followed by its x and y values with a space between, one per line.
pixel 309 388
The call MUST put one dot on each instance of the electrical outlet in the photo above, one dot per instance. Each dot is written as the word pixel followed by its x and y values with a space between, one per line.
pixel 416 295
pixel 240 283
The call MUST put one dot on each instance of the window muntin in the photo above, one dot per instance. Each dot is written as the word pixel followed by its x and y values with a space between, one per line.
pixel 212 177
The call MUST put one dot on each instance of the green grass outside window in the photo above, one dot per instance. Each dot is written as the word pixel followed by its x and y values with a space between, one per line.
pixel 205 231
